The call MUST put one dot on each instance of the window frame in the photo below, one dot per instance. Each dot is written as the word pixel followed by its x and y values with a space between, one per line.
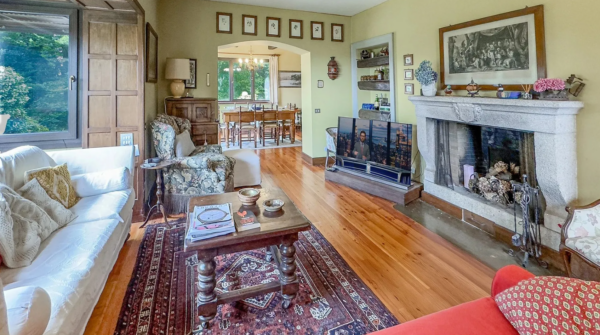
pixel 231 83
pixel 50 140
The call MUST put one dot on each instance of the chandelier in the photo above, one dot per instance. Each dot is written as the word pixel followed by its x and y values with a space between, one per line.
pixel 251 63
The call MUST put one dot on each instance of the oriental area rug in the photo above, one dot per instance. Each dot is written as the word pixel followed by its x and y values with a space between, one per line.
pixel 161 297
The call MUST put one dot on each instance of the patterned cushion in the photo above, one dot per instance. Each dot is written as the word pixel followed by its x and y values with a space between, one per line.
pixel 586 222
pixel 56 181
pixel 552 305
pixel 179 124
pixel 163 137
pixel 588 246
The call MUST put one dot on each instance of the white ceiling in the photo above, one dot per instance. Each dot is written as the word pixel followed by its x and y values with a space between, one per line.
pixel 339 7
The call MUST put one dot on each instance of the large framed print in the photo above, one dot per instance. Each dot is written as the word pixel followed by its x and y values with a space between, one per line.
pixel 507 49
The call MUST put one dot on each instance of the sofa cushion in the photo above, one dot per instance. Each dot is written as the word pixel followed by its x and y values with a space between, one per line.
pixel 587 246
pixel 29 310
pixel 72 266
pixel 35 192
pixel 14 163
pixel 184 145
pixel 473 318
pixel 57 183
pixel 246 171
pixel 101 207
pixel 552 305
pixel 95 183
pixel 585 223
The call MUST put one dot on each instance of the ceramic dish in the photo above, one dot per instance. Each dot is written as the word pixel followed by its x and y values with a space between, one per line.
pixel 248 196
pixel 273 205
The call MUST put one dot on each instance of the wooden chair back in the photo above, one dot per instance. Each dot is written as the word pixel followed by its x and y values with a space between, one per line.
pixel 246 117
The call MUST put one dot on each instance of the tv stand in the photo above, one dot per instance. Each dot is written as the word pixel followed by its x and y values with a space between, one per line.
pixel 374 187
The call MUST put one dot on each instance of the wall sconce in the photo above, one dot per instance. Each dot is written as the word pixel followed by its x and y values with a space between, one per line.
pixel 332 69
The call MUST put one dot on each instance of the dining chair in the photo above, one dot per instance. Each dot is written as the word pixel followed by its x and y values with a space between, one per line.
pixel 223 126
pixel 285 122
pixel 246 123
pixel 270 119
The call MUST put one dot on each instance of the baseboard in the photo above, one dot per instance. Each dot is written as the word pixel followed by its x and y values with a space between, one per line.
pixel 498 232
pixel 313 161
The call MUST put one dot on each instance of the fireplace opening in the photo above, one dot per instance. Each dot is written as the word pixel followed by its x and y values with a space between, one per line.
pixel 483 160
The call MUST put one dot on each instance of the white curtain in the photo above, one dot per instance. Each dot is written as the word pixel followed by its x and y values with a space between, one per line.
pixel 274 79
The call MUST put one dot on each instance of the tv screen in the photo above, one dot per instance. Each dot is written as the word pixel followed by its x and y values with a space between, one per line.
pixel 382 149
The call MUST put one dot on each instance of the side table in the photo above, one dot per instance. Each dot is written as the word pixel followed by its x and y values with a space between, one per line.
pixel 159 193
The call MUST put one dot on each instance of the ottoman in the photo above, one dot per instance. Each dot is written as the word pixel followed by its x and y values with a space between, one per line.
pixel 247 167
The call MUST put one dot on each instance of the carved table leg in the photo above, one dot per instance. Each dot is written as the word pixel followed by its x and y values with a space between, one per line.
pixel 207 298
pixel 289 281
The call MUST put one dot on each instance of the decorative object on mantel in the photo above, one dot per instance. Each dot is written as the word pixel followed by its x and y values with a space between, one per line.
pixel 496 47
pixel 500 92
pixel 575 87
pixel 551 89
pixel 408 60
pixel 473 88
pixel 527 92
pixel 385 52
pixel 332 69
pixel 365 54
pixel 448 90
pixel 427 77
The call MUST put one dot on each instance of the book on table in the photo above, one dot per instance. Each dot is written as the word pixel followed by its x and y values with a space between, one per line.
pixel 245 219
pixel 210 221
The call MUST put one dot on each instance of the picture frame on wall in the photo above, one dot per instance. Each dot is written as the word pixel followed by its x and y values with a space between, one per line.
pixel 316 30
pixel 507 48
pixel 224 23
pixel 409 89
pixel 408 60
pixel 151 54
pixel 290 79
pixel 191 83
pixel 337 32
pixel 249 25
pixel 296 29
pixel 273 27
pixel 409 74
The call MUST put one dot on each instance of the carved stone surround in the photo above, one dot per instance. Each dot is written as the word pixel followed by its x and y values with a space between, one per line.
pixel 554 126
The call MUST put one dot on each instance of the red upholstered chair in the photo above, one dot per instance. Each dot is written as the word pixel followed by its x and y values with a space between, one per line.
pixel 472 318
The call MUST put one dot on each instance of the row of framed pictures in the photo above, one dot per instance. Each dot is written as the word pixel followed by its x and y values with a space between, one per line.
pixel 273 27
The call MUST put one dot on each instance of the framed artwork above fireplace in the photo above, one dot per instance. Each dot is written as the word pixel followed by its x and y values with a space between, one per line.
pixel 507 49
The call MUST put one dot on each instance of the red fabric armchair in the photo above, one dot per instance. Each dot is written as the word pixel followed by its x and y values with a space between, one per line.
pixel 472 318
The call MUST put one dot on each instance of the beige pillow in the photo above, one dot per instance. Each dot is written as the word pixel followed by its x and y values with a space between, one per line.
pixel 57 183
pixel 34 192
pixel 184 145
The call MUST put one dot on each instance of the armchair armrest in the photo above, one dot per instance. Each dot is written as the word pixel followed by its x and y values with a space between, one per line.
pixel 80 161
pixel 204 161
pixel 508 277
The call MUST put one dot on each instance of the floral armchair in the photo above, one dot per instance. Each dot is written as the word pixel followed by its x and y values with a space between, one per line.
pixel 580 242
pixel 205 171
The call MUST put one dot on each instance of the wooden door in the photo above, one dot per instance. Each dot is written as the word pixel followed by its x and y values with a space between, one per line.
pixel 113 84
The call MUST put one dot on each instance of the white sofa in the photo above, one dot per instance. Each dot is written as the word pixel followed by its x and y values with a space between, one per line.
pixel 73 264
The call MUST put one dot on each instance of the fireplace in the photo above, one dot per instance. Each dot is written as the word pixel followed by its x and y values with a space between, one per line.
pixel 537 137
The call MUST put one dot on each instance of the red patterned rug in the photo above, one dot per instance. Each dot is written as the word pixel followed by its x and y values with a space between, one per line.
pixel 161 297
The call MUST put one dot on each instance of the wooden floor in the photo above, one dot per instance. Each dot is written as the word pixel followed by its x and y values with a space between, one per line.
pixel 412 270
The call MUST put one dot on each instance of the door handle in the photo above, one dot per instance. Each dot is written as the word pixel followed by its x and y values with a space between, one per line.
pixel 72 79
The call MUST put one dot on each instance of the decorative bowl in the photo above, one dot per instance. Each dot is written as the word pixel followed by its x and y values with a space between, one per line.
pixel 248 196
pixel 273 205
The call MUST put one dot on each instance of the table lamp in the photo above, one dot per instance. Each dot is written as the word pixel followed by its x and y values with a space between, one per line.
pixel 178 70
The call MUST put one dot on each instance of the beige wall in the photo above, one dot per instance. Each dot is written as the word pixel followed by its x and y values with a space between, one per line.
pixel 571 47
pixel 288 61
pixel 188 30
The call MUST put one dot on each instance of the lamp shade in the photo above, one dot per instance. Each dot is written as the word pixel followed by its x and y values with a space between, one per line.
pixel 177 68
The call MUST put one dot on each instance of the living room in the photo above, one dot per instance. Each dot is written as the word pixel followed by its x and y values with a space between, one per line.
pixel 392 195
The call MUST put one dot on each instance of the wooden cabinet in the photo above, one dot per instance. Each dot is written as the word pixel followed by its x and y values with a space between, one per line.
pixel 202 113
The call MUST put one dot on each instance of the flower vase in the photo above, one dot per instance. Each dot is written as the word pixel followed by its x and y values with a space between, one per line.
pixel 429 90
pixel 3 121
pixel 555 95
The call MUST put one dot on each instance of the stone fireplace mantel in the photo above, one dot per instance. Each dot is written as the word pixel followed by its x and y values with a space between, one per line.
pixel 554 126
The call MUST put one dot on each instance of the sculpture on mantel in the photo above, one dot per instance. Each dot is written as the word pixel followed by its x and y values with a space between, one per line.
pixel 473 88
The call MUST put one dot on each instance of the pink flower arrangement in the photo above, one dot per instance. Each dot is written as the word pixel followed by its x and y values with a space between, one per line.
pixel 549 84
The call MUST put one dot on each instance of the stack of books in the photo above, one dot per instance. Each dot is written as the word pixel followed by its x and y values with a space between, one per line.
pixel 210 221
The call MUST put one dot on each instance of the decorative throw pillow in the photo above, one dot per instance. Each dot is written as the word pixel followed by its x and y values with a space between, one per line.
pixel 35 192
pixel 552 305
pixel 57 183
pixel 184 145
pixel 95 183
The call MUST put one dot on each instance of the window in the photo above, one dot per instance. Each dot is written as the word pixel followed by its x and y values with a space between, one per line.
pixel 38 56
pixel 238 82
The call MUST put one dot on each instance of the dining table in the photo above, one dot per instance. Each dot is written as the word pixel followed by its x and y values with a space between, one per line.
pixel 286 114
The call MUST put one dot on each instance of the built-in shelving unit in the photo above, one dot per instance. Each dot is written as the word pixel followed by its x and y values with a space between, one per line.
pixel 373 62
pixel 374 85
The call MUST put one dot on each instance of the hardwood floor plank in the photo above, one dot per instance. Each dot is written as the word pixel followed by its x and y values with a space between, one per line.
pixel 411 269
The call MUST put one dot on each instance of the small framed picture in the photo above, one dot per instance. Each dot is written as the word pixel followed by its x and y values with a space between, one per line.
pixel 249 25
pixel 320 84
pixel 296 29
pixel 191 83
pixel 316 30
pixel 408 60
pixel 224 23
pixel 337 32
pixel 409 74
pixel 273 27
pixel 409 89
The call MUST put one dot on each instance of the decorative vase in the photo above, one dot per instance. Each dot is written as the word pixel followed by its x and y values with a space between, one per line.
pixel 429 90
pixel 555 95
pixel 3 120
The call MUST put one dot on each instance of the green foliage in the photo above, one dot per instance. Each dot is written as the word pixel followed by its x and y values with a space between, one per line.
pixel 14 93
pixel 223 80
pixel 242 81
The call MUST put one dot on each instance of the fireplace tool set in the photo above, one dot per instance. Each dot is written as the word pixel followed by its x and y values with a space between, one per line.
pixel 529 241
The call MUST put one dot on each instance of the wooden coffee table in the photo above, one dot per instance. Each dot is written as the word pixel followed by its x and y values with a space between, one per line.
pixel 278 232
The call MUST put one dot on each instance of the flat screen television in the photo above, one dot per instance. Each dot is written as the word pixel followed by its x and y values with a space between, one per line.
pixel 380 149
